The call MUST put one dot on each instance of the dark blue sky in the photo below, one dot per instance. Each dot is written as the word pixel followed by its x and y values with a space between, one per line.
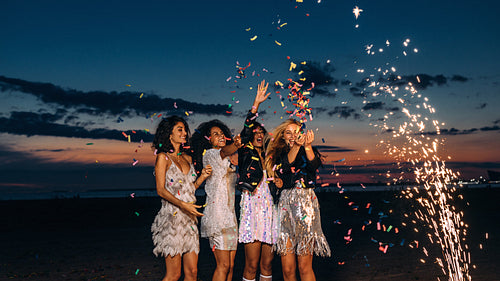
pixel 99 56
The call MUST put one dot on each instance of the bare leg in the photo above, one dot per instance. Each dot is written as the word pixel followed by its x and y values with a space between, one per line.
pixel 232 255
pixel 305 268
pixel 252 255
pixel 190 266
pixel 266 259
pixel 173 266
pixel 222 257
pixel 288 264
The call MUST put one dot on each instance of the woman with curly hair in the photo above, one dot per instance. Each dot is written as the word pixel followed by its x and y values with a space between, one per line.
pixel 291 157
pixel 213 146
pixel 175 231
pixel 257 228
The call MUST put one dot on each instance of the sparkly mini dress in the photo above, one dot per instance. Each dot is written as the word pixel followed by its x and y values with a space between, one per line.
pixel 300 222
pixel 258 215
pixel 219 223
pixel 298 209
pixel 174 232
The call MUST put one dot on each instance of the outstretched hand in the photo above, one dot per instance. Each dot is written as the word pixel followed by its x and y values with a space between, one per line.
pixel 309 138
pixel 237 141
pixel 261 95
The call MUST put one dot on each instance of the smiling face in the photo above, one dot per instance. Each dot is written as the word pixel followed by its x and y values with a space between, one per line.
pixel 179 134
pixel 290 134
pixel 217 137
pixel 258 137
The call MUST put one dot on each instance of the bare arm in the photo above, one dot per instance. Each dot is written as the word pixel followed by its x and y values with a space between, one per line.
pixel 261 96
pixel 161 167
pixel 231 149
pixel 205 173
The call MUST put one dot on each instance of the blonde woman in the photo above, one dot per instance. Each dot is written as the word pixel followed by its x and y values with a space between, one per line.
pixel 291 157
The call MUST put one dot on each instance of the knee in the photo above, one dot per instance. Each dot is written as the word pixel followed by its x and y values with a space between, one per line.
pixel 305 268
pixel 192 273
pixel 172 276
pixel 266 268
pixel 251 266
pixel 224 266
pixel 288 270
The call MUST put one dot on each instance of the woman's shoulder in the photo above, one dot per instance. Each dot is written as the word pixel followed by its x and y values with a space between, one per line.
pixel 187 157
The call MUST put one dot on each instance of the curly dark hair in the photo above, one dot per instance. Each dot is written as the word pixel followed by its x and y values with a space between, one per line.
pixel 200 140
pixel 161 141
pixel 249 138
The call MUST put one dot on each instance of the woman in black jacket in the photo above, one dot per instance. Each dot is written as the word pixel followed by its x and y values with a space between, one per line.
pixel 257 228
pixel 291 157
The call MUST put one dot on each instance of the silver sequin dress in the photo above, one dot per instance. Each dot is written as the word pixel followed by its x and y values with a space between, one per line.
pixel 219 220
pixel 174 232
pixel 300 221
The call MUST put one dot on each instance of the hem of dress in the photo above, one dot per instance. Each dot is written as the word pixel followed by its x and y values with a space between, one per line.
pixel 311 244
pixel 162 254
pixel 255 240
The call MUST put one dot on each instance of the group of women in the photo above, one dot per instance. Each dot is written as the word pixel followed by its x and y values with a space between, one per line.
pixel 279 212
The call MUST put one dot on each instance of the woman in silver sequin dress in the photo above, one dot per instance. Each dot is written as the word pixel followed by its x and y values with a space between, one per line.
pixel 291 157
pixel 175 232
pixel 219 223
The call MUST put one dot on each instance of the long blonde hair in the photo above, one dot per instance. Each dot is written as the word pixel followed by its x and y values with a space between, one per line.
pixel 276 145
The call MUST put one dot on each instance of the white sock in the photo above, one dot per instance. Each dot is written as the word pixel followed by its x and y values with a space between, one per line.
pixel 266 278
pixel 244 279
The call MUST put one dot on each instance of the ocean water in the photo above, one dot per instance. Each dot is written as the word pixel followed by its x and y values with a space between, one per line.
pixel 123 193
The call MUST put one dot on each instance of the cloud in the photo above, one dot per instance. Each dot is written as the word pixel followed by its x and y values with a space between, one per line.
pixel 344 112
pixel 373 105
pixel 454 131
pixel 481 106
pixel 421 81
pixel 114 103
pixel 330 148
pixel 43 124
pixel 321 74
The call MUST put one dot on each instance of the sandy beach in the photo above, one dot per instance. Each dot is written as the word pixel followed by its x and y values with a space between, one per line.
pixel 110 239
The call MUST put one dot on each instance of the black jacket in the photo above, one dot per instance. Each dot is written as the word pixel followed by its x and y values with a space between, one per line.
pixel 300 172
pixel 250 168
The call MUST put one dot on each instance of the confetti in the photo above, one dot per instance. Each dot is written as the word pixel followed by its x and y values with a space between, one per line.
pixel 253 38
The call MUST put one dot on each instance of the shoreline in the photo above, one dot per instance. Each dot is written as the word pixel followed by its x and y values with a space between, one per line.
pixel 151 192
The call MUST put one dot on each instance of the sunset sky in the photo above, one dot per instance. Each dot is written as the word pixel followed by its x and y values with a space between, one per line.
pixel 75 76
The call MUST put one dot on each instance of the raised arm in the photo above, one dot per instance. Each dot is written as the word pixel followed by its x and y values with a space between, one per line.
pixel 261 96
pixel 231 149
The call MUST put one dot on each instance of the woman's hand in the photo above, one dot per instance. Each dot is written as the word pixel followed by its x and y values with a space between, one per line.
pixel 300 140
pixel 278 182
pixel 206 172
pixel 237 141
pixel 190 209
pixel 261 95
pixel 309 138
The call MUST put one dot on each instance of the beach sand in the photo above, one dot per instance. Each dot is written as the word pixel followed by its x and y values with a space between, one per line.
pixel 110 239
